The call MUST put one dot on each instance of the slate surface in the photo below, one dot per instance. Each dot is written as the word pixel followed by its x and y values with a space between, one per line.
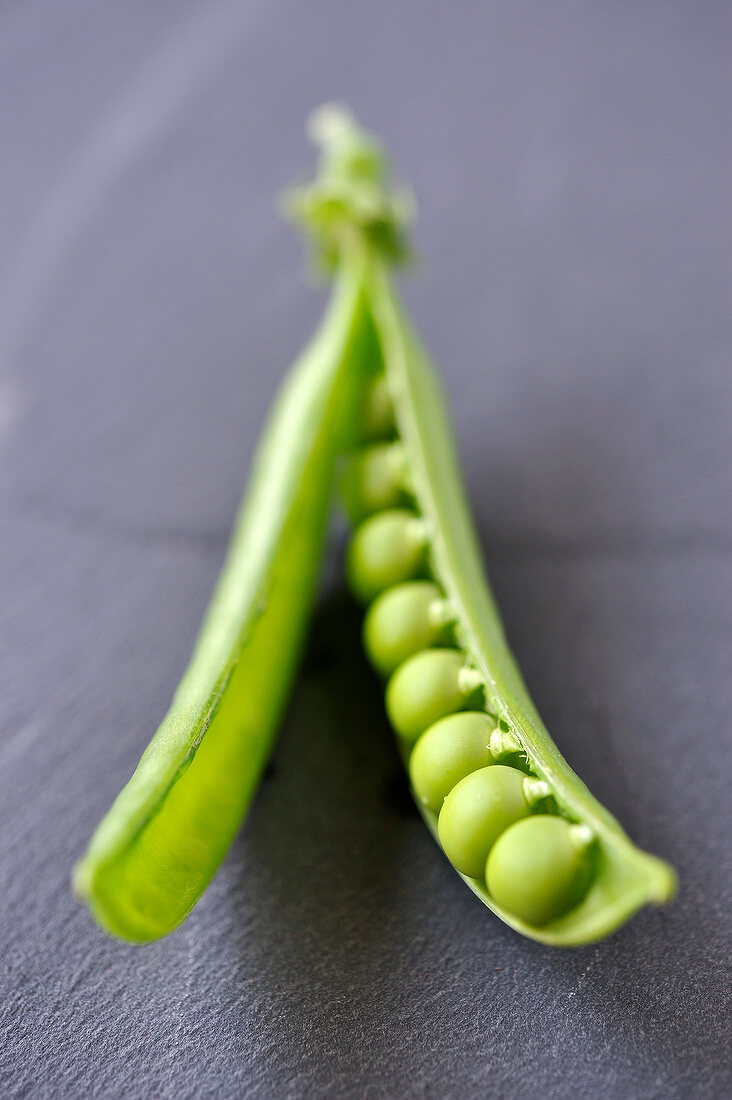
pixel 572 166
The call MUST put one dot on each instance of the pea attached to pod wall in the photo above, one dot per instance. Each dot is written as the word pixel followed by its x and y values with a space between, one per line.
pixel 479 809
pixel 375 478
pixel 377 412
pixel 540 867
pixel 427 687
pixel 386 549
pixel 404 620
pixel 448 751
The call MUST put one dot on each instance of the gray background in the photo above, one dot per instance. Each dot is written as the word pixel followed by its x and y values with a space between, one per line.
pixel 572 168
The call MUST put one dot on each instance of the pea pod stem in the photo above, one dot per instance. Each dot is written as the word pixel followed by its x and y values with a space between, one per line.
pixel 160 844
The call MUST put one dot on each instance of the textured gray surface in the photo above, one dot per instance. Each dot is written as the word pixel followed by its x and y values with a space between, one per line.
pixel 572 165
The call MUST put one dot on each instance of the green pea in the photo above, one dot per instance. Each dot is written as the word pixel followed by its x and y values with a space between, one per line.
pixel 427 687
pixel 540 868
pixel 447 752
pixel 402 621
pixel 386 549
pixel 476 812
pixel 377 413
pixel 375 479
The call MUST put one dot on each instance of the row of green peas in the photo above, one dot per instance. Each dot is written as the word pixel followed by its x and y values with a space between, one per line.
pixel 497 823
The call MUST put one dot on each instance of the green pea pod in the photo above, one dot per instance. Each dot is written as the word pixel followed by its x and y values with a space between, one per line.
pixel 625 878
pixel 157 849
pixel 559 868
pixel 568 874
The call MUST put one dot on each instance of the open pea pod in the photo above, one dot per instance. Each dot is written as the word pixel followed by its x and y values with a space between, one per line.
pixel 623 878
pixel 160 844
pixel 519 826
pixel 517 823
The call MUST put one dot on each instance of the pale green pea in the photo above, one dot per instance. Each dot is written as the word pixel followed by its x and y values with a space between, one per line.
pixel 375 479
pixel 540 868
pixel 427 687
pixel 402 621
pixel 386 549
pixel 477 811
pixel 447 752
pixel 377 413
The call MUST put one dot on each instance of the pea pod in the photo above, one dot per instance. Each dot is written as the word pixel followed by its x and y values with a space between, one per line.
pixel 537 847
pixel 588 877
pixel 624 878
pixel 163 839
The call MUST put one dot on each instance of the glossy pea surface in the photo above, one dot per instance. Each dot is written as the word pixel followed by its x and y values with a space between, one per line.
pixel 539 868
pixel 446 752
pixel 476 812
pixel 374 480
pixel 424 689
pixel 402 621
pixel 386 549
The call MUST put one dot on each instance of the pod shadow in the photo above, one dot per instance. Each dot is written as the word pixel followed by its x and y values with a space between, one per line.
pixel 327 845
pixel 603 606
